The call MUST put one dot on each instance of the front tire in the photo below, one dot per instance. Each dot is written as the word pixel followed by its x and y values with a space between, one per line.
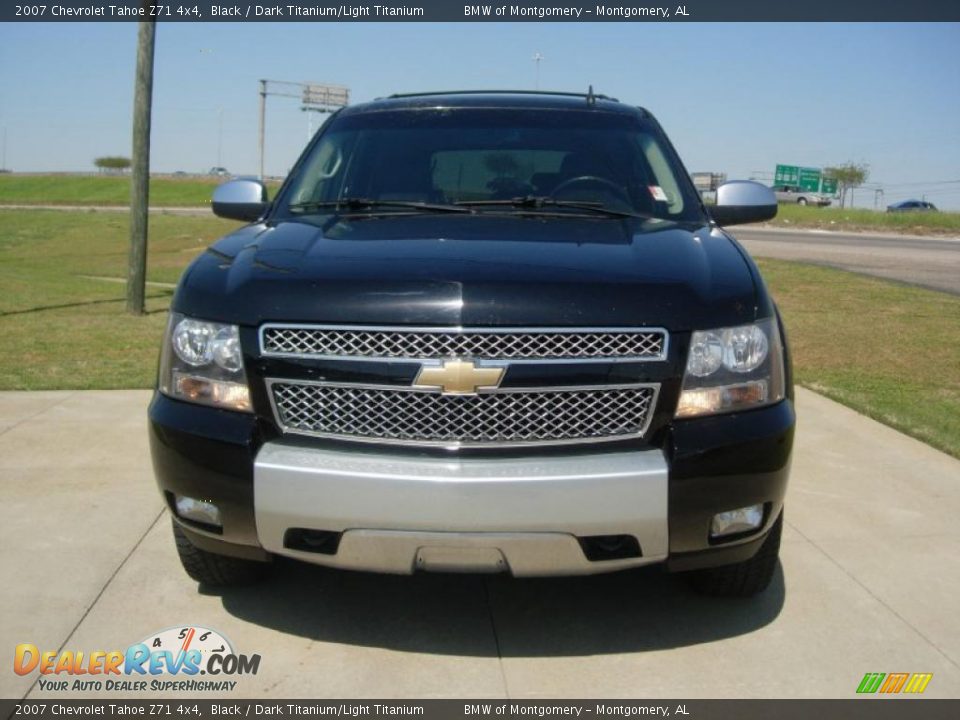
pixel 802 201
pixel 743 579
pixel 215 570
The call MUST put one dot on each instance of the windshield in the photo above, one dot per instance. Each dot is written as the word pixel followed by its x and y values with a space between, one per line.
pixel 501 160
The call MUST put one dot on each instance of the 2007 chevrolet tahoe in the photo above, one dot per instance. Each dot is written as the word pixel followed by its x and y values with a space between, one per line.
pixel 479 332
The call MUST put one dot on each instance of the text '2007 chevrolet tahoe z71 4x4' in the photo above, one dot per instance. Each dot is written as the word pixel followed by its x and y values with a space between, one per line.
pixel 479 332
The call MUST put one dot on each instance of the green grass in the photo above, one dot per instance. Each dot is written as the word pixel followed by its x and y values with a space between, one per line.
pixel 830 218
pixel 105 190
pixel 888 350
pixel 64 330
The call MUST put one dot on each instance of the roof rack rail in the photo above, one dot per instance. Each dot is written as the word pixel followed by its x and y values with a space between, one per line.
pixel 590 96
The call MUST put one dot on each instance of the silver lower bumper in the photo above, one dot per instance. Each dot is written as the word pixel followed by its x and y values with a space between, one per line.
pixel 399 514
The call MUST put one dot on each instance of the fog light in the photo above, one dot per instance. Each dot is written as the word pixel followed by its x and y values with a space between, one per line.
pixel 737 521
pixel 199 511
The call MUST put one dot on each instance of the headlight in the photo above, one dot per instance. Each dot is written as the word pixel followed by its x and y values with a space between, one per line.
pixel 201 362
pixel 729 369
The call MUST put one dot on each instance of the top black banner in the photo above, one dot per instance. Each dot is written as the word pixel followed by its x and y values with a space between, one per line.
pixel 637 11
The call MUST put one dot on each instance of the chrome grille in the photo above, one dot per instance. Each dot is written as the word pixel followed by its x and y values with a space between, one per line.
pixel 425 343
pixel 507 416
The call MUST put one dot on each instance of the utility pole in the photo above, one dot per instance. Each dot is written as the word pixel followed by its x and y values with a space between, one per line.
pixel 537 57
pixel 140 172
pixel 263 120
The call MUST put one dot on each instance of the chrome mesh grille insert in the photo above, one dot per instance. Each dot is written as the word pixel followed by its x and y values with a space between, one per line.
pixel 422 343
pixel 507 416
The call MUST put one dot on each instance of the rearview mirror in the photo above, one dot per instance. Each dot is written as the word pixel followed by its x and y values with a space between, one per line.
pixel 243 199
pixel 743 201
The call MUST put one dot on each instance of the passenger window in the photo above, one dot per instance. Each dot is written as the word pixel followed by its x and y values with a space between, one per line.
pixel 664 178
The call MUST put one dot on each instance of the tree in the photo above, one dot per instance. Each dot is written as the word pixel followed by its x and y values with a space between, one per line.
pixel 112 163
pixel 848 176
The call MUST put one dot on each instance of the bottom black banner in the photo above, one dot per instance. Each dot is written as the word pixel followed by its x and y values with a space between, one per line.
pixel 875 708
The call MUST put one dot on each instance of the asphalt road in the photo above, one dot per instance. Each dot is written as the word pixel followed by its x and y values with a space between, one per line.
pixel 929 262
pixel 869 580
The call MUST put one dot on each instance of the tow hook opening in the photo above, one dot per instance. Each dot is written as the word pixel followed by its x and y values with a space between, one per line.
pixel 324 542
pixel 609 547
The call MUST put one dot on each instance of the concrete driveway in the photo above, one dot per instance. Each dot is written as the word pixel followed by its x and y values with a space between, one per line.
pixel 869 583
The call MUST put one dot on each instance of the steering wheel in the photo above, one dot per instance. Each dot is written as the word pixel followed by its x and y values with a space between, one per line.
pixel 606 184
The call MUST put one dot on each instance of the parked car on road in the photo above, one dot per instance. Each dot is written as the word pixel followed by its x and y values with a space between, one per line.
pixel 479 332
pixel 793 194
pixel 912 206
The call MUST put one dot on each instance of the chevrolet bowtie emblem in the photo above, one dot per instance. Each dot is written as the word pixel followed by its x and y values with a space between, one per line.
pixel 458 377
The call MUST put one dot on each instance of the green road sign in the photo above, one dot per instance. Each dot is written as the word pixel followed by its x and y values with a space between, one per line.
pixel 804 178
pixel 810 179
pixel 786 175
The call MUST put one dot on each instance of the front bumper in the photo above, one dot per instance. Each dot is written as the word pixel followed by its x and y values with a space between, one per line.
pixel 399 514
pixel 529 515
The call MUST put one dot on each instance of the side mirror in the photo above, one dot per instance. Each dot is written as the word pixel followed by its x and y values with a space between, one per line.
pixel 743 201
pixel 244 199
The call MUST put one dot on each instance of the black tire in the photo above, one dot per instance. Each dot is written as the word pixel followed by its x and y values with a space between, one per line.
pixel 743 579
pixel 215 570
pixel 802 201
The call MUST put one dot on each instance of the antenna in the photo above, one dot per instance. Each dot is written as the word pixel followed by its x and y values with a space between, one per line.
pixel 591 98
pixel 537 57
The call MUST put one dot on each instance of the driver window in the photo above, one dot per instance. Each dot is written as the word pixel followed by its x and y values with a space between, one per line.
pixel 323 173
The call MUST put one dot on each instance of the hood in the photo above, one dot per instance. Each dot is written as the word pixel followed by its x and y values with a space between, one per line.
pixel 477 270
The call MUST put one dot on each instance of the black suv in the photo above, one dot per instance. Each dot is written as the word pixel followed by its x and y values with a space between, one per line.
pixel 479 332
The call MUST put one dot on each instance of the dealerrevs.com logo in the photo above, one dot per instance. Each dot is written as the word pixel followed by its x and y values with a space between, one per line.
pixel 168 661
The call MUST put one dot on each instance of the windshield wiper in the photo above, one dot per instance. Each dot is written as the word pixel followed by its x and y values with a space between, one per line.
pixel 357 203
pixel 536 202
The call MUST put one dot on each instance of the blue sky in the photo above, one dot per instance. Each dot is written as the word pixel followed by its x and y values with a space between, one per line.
pixel 734 98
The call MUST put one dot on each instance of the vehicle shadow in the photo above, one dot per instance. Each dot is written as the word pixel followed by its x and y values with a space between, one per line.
pixel 483 616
